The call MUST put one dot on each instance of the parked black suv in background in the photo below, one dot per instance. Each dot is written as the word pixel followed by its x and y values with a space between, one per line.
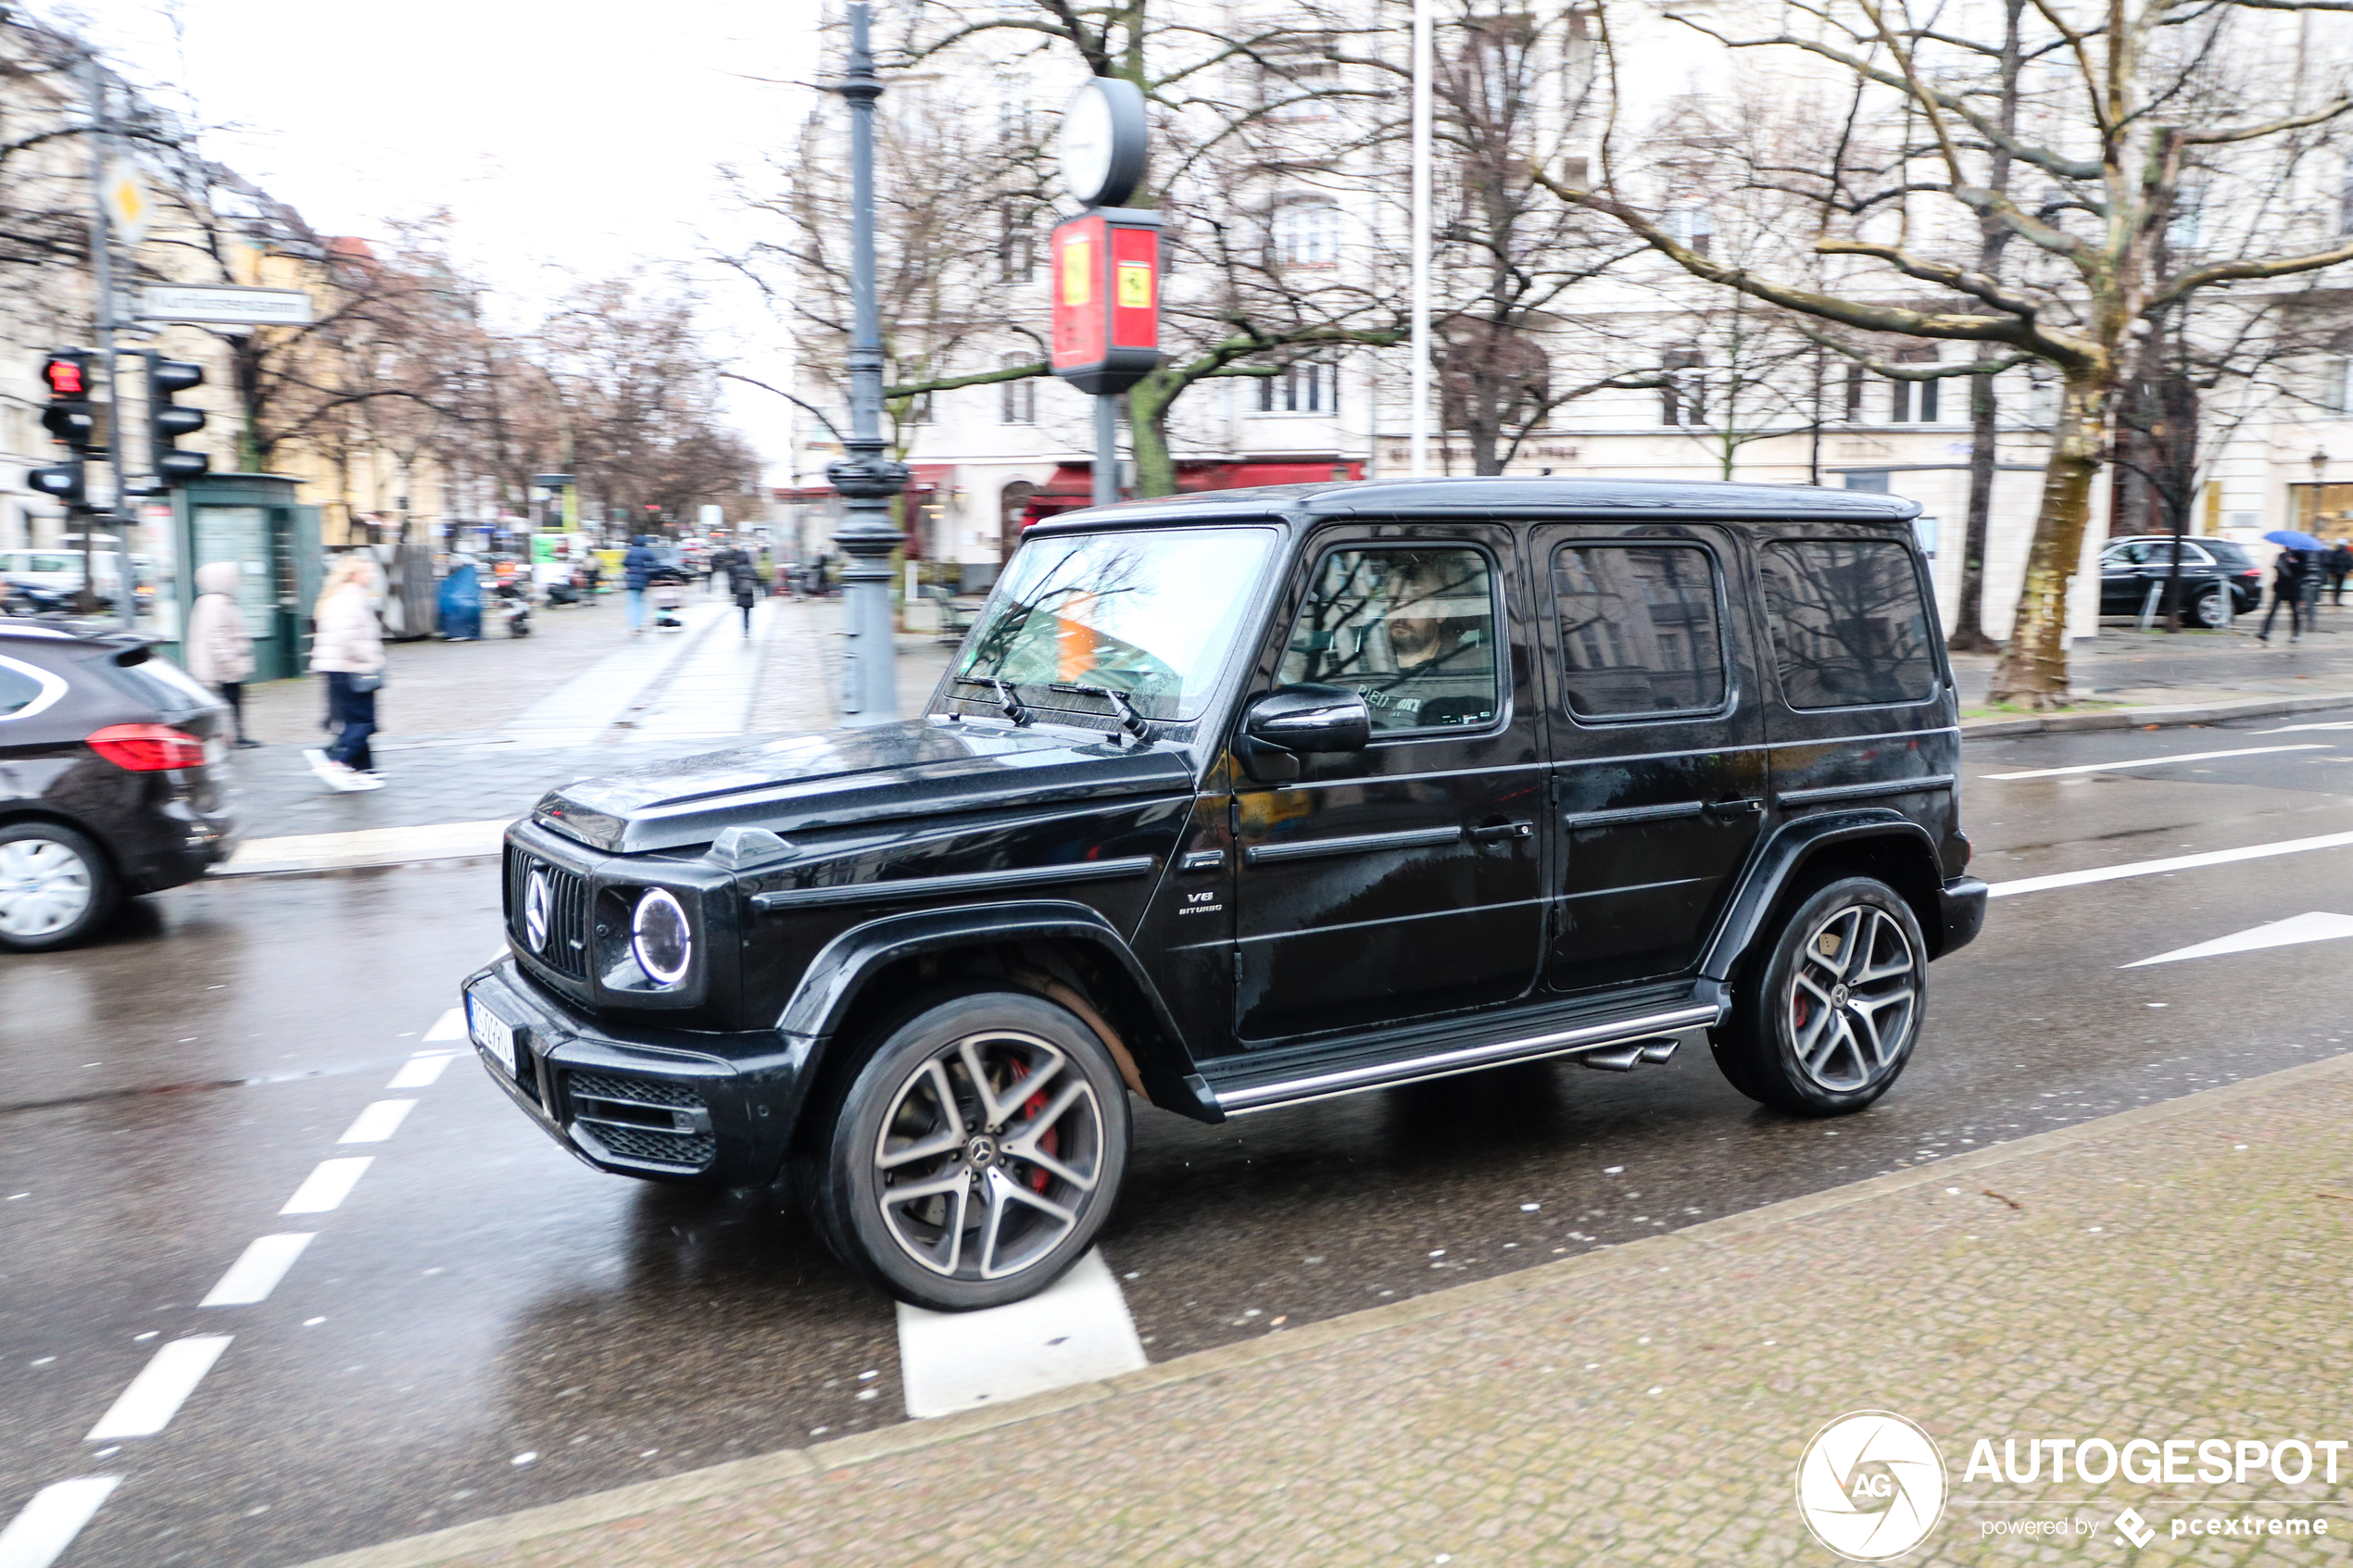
pixel 2210 569
pixel 111 780
pixel 1252 799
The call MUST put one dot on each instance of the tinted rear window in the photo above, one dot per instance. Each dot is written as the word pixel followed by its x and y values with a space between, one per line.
pixel 1638 629
pixel 2227 553
pixel 16 691
pixel 1850 629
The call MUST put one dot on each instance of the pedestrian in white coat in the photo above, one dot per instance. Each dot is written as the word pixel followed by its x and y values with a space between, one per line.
pixel 348 648
pixel 219 645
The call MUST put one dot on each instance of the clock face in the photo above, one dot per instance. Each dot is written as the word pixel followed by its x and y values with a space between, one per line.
pixel 1085 143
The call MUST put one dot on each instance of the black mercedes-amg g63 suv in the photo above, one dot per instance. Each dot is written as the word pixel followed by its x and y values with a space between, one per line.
pixel 1249 798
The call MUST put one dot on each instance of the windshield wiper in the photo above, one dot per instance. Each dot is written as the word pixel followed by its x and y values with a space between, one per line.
pixel 1006 700
pixel 1130 718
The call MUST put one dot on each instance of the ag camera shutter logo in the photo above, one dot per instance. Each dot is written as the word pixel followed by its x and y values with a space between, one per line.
pixel 1871 1486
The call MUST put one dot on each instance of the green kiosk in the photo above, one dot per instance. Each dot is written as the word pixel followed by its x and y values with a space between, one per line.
pixel 252 518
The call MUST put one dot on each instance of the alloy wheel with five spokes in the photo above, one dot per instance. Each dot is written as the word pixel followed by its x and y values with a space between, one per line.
pixel 1851 995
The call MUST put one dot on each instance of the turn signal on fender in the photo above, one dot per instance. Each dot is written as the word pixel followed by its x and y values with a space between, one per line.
pixel 148 748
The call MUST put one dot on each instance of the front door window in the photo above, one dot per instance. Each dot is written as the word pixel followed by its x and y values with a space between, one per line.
pixel 1412 629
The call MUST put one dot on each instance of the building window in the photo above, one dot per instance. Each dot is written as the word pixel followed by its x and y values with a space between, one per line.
pixel 1578 63
pixel 1016 247
pixel 2186 229
pixel 1691 227
pixel 1907 398
pixel 1855 393
pixel 1305 386
pixel 1017 400
pixel 1683 393
pixel 2336 383
pixel 1306 234
pixel 1293 77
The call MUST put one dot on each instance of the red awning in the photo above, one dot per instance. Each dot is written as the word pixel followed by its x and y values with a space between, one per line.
pixel 929 476
pixel 1074 484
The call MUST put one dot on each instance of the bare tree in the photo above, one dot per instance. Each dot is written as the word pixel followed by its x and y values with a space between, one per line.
pixel 2142 98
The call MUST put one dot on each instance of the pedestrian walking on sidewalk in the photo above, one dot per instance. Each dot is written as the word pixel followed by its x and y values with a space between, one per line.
pixel 2293 575
pixel 744 578
pixel 636 570
pixel 2340 566
pixel 220 645
pixel 349 649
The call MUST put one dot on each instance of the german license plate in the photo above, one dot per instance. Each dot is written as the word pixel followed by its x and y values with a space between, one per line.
pixel 493 1035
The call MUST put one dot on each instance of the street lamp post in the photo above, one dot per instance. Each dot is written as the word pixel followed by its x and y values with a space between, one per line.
pixel 865 479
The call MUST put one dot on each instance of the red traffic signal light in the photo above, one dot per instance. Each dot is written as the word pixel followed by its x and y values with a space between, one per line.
pixel 67 374
pixel 69 416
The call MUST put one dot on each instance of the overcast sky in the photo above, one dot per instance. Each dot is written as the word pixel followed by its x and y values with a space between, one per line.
pixel 567 140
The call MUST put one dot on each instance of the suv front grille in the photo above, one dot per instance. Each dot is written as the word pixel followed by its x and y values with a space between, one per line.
pixel 648 1119
pixel 567 948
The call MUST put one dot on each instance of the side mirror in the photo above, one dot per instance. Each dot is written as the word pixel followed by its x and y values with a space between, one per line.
pixel 1292 721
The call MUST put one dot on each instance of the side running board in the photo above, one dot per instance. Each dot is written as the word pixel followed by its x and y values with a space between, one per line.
pixel 1618 1045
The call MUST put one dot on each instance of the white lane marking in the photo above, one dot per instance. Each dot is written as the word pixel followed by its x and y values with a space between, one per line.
pixel 2177 863
pixel 2150 761
pixel 2293 729
pixel 43 1528
pixel 327 1187
pixel 1074 1330
pixel 419 1071
pixel 2317 926
pixel 257 1269
pixel 379 1122
pixel 147 1406
pixel 451 1025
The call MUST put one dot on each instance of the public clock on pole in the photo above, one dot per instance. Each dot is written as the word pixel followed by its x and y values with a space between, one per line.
pixel 1102 144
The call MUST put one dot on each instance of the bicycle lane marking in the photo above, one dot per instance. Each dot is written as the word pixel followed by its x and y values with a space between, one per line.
pixel 54 1517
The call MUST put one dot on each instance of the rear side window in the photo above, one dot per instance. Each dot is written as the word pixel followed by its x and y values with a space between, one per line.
pixel 1639 628
pixel 18 691
pixel 1850 629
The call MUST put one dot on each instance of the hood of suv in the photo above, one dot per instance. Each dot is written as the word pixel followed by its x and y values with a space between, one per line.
pixel 847 777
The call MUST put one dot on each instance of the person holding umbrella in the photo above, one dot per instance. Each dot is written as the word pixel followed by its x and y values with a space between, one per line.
pixel 2295 581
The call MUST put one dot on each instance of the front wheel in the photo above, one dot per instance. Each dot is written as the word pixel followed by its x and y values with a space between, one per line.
pixel 1832 1015
pixel 973 1155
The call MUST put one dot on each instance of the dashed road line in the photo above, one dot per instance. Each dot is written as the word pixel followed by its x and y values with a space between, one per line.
pixel 421 1070
pixel 379 1122
pixel 154 1398
pixel 1075 1330
pixel 325 1188
pixel 43 1528
pixel 451 1025
pixel 2174 863
pixel 2147 763
pixel 257 1269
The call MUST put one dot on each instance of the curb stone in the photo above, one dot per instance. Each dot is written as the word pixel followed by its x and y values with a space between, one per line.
pixel 1694 1244
pixel 2159 718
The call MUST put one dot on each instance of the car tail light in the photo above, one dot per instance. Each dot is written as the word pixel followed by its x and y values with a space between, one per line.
pixel 148 748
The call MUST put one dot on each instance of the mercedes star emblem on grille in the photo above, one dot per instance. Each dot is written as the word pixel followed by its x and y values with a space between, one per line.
pixel 535 899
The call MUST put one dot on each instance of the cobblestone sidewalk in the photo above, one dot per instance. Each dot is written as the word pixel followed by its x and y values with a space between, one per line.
pixel 2177 1271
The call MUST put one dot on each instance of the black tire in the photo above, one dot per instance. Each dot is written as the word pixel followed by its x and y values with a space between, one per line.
pixel 55 887
pixel 1814 1032
pixel 997 1225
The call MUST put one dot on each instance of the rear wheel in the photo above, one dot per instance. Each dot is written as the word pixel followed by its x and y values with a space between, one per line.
pixel 2213 607
pixel 1834 1010
pixel 54 886
pixel 973 1155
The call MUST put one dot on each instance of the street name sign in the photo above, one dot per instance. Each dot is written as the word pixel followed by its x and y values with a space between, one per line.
pixel 225 305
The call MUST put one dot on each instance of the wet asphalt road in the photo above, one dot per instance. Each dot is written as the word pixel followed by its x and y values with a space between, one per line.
pixel 481 1298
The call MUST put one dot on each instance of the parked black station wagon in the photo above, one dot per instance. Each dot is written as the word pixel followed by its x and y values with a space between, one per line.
pixel 1252 799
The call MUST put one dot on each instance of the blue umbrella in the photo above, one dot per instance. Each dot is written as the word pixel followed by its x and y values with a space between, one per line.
pixel 2290 539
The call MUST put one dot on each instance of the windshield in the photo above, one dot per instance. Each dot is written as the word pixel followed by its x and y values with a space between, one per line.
pixel 1150 614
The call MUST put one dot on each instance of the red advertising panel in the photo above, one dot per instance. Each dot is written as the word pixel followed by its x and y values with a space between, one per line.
pixel 1106 284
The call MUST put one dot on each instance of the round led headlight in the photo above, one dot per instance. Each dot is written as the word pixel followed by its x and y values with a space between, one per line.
pixel 659 936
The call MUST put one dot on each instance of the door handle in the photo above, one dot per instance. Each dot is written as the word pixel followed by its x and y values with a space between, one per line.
pixel 1735 808
pixel 1502 830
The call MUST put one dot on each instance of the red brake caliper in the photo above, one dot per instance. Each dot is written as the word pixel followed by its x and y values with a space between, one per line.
pixel 1049 1142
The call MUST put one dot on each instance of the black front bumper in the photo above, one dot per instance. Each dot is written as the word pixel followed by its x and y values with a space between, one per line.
pixel 665 1105
pixel 1962 903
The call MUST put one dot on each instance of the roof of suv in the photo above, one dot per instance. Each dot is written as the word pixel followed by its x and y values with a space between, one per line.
pixel 1485 497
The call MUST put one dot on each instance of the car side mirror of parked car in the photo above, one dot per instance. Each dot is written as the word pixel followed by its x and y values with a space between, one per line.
pixel 1291 722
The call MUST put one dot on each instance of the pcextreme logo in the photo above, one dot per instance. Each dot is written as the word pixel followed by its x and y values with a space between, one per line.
pixel 1870 1485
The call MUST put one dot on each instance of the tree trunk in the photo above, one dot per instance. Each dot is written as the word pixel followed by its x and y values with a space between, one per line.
pixel 1148 403
pixel 2032 672
pixel 1969 622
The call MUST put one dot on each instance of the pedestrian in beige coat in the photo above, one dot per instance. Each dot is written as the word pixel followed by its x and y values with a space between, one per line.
pixel 349 649
pixel 219 645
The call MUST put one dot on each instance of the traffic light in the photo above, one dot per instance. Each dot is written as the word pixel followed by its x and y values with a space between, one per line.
pixel 70 416
pixel 60 481
pixel 166 424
